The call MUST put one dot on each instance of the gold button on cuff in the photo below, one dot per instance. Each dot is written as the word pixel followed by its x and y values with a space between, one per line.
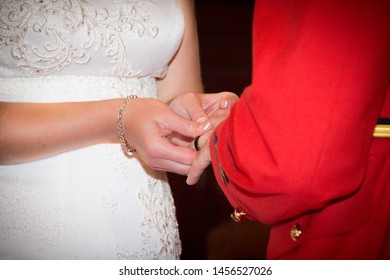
pixel 296 232
pixel 237 215
pixel 382 130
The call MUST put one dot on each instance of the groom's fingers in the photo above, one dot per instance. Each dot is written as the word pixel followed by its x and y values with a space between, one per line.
pixel 200 141
pixel 200 163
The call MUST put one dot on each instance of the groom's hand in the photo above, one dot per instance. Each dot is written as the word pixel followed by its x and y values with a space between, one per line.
pixel 202 159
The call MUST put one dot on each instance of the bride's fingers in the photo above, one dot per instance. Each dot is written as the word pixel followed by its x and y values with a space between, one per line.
pixel 174 123
pixel 212 102
pixel 228 102
pixel 218 116
pixel 194 108
pixel 179 140
pixel 171 166
pixel 190 106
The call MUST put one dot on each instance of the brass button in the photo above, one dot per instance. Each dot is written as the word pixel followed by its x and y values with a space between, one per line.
pixel 382 130
pixel 296 232
pixel 238 215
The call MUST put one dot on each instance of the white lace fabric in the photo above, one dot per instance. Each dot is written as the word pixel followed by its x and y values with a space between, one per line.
pixel 95 202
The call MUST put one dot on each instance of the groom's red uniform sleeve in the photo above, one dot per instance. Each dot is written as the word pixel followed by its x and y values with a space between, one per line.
pixel 299 137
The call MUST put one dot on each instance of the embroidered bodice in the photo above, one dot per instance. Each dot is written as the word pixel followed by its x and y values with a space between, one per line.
pixel 87 37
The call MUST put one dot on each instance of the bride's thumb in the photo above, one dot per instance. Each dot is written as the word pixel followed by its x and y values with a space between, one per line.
pixel 189 128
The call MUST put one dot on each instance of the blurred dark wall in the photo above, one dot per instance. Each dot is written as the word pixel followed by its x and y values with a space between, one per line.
pixel 206 229
pixel 225 43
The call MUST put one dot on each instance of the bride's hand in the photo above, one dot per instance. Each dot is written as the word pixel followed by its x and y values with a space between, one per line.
pixel 148 123
pixel 199 106
pixel 202 107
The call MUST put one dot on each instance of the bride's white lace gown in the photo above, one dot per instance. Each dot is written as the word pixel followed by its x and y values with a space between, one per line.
pixel 92 203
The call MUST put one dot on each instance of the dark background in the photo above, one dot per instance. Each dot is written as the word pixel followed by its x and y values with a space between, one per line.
pixel 203 212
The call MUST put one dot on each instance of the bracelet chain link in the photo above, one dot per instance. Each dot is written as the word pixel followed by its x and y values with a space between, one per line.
pixel 121 131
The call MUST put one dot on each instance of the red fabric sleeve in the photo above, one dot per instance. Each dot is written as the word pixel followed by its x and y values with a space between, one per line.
pixel 299 136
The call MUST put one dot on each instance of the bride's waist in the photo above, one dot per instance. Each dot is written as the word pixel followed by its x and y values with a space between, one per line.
pixel 74 88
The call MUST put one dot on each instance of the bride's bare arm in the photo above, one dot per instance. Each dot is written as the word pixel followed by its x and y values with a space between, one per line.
pixel 30 131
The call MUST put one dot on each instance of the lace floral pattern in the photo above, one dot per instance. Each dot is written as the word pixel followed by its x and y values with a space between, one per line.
pixel 41 220
pixel 43 35
pixel 160 217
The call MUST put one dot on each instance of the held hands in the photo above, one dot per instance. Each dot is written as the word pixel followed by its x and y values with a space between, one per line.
pixel 217 107
pixel 148 123
pixel 200 106
pixel 163 135
pixel 212 108
pixel 201 143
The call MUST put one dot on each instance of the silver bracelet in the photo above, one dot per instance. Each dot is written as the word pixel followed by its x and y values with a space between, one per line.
pixel 121 131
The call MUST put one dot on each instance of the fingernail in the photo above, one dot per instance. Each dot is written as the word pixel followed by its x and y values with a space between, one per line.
pixel 189 181
pixel 226 104
pixel 205 126
pixel 201 120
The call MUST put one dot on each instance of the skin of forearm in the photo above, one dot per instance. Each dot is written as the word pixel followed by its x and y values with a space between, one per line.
pixel 31 131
